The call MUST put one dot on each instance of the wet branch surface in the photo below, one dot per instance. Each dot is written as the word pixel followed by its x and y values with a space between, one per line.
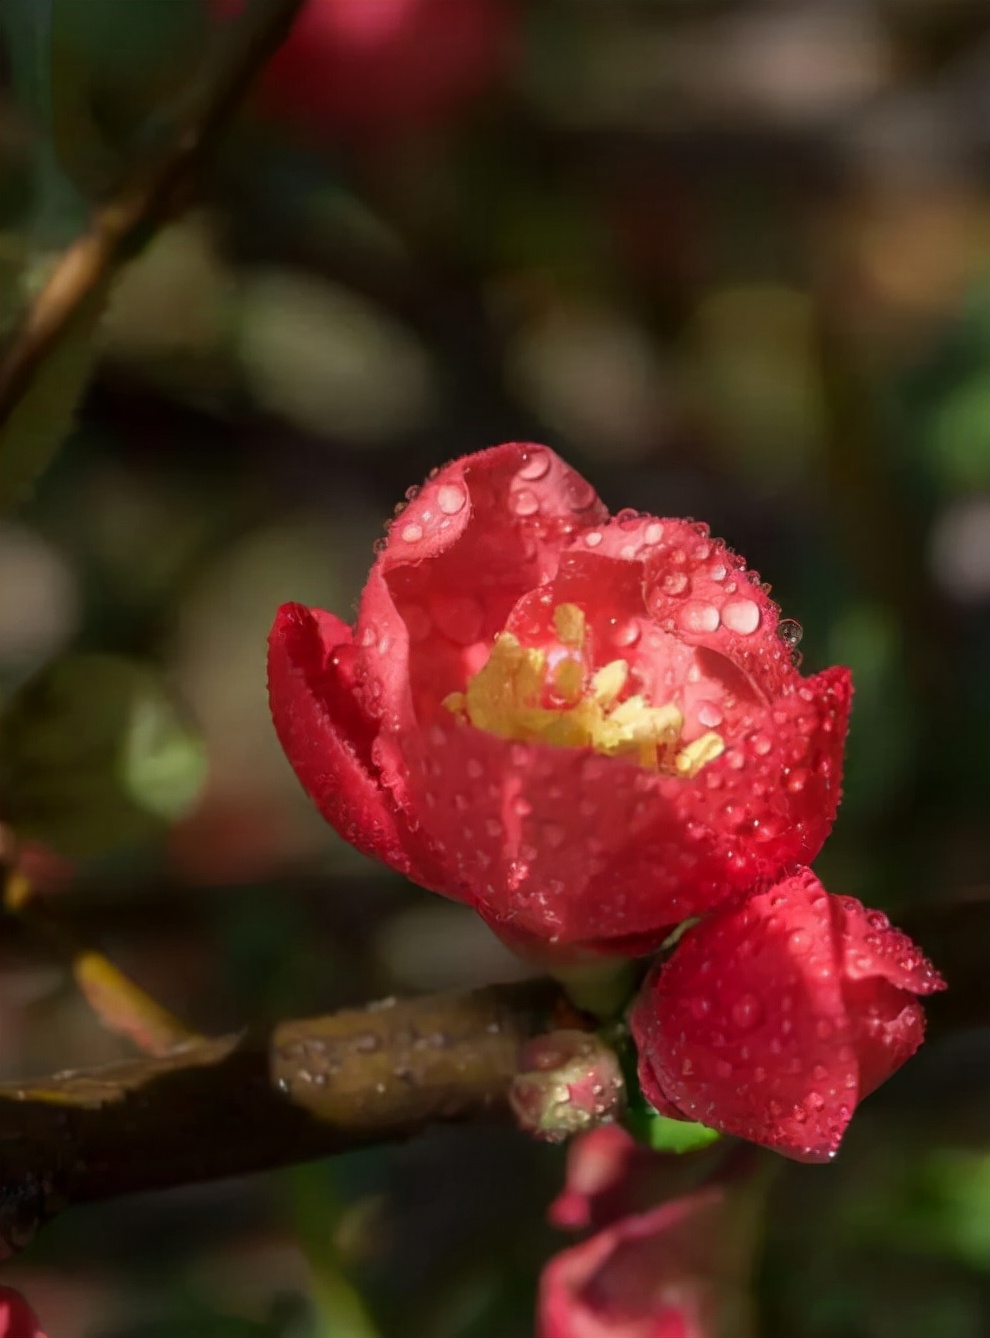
pixel 238 1104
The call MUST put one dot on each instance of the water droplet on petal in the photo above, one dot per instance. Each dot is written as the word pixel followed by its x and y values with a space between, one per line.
pixel 742 616
pixel 762 745
pixel 582 494
pixel 625 633
pixel 790 632
pixel 653 532
pixel 674 583
pixel 747 1011
pixel 700 1006
pixel 709 715
pixel 451 499
pixel 593 538
pixel 799 940
pixel 535 466
pixel 411 534
pixel 525 503
pixel 699 618
pixel 797 780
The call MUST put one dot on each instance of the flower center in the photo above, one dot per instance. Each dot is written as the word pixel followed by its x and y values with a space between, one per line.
pixel 554 696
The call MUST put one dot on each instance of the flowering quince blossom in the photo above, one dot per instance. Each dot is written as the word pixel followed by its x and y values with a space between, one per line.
pixel 588 728
pixel 677 1271
pixel 611 1175
pixel 17 1319
pixel 778 1013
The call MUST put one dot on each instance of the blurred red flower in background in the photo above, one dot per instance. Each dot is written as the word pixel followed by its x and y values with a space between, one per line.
pixel 356 68
pixel 677 1271
pixel 778 1013
pixel 588 728
pixel 17 1319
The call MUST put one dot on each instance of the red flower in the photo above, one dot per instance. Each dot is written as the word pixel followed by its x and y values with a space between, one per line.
pixel 587 728
pixel 611 1175
pixel 778 1013
pixel 17 1319
pixel 356 67
pixel 675 1272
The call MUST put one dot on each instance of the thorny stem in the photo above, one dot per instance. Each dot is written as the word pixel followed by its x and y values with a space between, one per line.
pixel 239 1104
pixel 143 203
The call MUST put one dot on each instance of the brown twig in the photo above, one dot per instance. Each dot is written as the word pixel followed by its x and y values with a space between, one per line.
pixel 240 1104
pixel 142 204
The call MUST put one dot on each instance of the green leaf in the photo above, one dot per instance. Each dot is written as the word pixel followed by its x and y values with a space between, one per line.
pixel 667 1135
pixel 46 414
pixel 96 754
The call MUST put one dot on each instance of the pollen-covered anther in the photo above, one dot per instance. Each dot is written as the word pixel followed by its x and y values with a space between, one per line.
pixel 517 695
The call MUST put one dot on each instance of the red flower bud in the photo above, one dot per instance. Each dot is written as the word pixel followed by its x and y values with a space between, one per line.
pixel 778 1013
pixel 675 1272
pixel 17 1319
pixel 588 728
pixel 568 1081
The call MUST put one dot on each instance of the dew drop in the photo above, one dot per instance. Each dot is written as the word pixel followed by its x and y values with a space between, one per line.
pixel 790 632
pixel 535 466
pixel 593 538
pixel 674 583
pixel 762 745
pixel 700 1006
pixel 525 503
pixel 411 534
pixel 653 532
pixel 625 633
pixel 451 499
pixel 798 940
pixel 797 780
pixel 709 715
pixel 747 1012
pixel 582 494
pixel 522 807
pixel 699 618
pixel 742 616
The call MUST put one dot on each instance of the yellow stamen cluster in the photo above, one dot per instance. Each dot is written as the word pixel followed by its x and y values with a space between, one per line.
pixel 505 698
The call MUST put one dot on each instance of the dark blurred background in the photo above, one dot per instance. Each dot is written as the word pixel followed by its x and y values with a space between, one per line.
pixel 732 261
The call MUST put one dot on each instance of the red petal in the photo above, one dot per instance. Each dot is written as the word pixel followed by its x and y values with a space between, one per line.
pixel 324 734
pixel 745 1027
pixel 17 1319
pixel 888 1025
pixel 477 536
pixel 873 947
